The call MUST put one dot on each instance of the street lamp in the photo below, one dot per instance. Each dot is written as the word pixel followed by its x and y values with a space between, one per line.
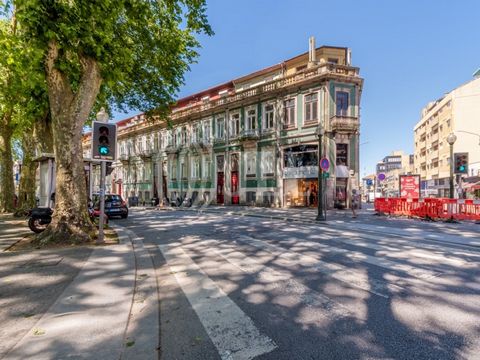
pixel 321 214
pixel 451 138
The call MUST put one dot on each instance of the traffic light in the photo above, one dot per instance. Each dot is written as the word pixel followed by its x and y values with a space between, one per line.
pixel 104 141
pixel 461 163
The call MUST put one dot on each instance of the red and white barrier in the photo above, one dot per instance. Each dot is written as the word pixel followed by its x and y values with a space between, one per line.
pixel 430 208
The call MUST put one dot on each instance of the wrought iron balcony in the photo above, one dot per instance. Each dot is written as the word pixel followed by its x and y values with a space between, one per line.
pixel 249 134
pixel 123 157
pixel 344 123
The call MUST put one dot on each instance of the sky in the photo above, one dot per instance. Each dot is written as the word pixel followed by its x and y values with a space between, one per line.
pixel 409 52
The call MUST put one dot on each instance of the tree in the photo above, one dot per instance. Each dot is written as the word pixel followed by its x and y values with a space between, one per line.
pixel 121 53
pixel 19 76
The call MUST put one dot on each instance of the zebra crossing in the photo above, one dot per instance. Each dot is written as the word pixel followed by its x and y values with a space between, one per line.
pixel 235 333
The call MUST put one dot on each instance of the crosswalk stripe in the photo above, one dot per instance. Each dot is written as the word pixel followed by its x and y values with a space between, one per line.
pixel 336 271
pixel 232 332
pixel 274 278
pixel 377 261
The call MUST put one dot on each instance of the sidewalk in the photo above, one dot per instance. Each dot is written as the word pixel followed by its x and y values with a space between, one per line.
pixel 12 230
pixel 82 302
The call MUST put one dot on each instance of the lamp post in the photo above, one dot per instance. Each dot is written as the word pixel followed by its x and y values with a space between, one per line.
pixel 451 138
pixel 321 214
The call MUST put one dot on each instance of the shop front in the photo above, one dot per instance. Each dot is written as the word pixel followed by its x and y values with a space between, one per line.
pixel 300 176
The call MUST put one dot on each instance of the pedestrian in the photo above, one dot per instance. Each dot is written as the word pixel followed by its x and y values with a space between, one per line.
pixel 354 202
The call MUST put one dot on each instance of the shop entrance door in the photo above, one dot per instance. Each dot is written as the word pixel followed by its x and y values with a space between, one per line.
pixel 234 183
pixel 220 186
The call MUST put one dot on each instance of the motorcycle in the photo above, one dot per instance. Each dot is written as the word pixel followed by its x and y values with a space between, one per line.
pixel 40 217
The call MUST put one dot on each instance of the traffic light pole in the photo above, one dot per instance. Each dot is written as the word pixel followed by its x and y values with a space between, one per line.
pixel 451 172
pixel 100 239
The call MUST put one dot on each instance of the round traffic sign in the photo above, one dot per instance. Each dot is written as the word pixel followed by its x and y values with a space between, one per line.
pixel 324 164
pixel 381 176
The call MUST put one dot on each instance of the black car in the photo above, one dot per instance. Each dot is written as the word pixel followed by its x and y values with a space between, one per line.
pixel 114 205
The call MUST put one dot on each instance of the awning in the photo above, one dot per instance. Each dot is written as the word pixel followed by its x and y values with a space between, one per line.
pixel 341 171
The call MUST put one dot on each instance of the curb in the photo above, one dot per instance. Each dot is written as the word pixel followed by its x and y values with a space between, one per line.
pixel 141 337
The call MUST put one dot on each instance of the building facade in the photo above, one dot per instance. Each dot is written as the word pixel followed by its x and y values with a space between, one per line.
pixel 457 112
pixel 252 140
pixel 393 165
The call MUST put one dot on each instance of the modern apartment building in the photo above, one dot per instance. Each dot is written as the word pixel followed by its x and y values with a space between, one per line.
pixel 252 140
pixel 393 165
pixel 457 112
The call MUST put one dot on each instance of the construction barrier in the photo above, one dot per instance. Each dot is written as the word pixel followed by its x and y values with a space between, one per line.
pixel 430 208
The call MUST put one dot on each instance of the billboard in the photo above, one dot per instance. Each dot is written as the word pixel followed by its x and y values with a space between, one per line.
pixel 410 186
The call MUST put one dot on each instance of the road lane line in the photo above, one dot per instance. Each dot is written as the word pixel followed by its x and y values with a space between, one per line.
pixel 274 278
pixel 232 332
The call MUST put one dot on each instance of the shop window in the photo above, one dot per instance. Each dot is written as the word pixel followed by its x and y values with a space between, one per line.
pixel 299 156
pixel 342 154
pixel 268 198
pixel 342 103
pixel 251 197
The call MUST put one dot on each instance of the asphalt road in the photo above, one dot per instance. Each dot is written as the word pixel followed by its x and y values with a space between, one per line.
pixel 242 288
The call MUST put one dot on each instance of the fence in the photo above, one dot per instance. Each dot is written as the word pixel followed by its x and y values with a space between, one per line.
pixel 430 208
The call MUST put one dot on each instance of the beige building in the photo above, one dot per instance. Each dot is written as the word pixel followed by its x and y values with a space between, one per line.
pixel 457 112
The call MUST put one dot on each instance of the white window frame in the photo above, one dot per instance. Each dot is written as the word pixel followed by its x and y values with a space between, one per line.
pixel 207 130
pixel 250 169
pixel 311 120
pixel 173 170
pixel 268 169
pixel 250 117
pixel 294 124
pixel 195 167
pixel 207 167
pixel 264 116
pixel 220 119
pixel 234 124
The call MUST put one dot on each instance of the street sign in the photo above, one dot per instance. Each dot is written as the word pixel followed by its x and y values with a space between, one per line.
pixel 325 175
pixel 324 164
pixel 369 182
pixel 381 176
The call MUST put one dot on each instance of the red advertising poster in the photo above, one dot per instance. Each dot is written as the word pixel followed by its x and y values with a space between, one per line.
pixel 410 186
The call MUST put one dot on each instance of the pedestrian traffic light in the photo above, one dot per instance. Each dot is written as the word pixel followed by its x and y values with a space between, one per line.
pixel 461 163
pixel 104 141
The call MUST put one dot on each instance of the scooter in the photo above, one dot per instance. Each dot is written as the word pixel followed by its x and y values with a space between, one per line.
pixel 40 217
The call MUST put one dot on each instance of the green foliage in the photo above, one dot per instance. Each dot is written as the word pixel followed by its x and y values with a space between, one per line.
pixel 143 47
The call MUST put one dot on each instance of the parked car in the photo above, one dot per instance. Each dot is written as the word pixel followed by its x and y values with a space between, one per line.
pixel 114 205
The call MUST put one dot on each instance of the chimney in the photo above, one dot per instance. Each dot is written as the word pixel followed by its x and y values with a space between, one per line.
pixel 311 51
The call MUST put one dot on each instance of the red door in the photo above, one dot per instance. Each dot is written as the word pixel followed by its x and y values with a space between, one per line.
pixel 235 196
pixel 220 184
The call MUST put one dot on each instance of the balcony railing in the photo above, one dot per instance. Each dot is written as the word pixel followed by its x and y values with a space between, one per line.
pixel 123 157
pixel 294 79
pixel 146 153
pixel 344 123
pixel 249 134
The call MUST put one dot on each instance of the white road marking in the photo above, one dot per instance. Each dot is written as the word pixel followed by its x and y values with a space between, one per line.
pixel 232 332
pixel 339 272
pixel 273 278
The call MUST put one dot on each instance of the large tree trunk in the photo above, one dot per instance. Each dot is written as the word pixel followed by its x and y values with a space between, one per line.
pixel 7 188
pixel 69 111
pixel 26 189
pixel 43 135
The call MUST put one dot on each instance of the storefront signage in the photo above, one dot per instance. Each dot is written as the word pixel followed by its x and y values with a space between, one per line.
pixel 303 172
pixel 410 186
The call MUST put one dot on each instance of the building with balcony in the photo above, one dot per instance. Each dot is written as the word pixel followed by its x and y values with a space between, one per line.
pixel 251 140
pixel 457 112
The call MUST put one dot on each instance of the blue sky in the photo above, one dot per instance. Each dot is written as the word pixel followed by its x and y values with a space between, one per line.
pixel 409 52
